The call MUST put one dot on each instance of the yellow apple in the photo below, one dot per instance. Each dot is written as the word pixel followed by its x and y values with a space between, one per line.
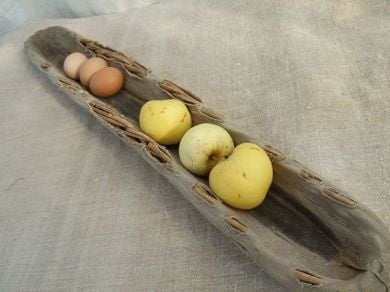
pixel 203 146
pixel 165 121
pixel 243 179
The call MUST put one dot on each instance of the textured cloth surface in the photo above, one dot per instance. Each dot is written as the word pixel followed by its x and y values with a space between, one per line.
pixel 14 13
pixel 80 210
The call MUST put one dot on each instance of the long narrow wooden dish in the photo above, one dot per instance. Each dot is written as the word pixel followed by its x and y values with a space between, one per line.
pixel 307 234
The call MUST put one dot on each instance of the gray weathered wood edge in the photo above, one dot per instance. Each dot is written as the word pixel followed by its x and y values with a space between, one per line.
pixel 322 239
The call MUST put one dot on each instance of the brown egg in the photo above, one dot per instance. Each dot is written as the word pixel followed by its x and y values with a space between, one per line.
pixel 90 67
pixel 72 65
pixel 106 82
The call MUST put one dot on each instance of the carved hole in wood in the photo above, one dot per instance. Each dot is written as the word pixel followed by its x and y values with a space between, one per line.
pixel 110 116
pixel 137 136
pixel 204 193
pixel 211 114
pixel 236 224
pixel 178 92
pixel 273 153
pixel 160 153
pixel 45 66
pixel 102 51
pixel 342 199
pixel 313 179
pixel 67 84
pixel 307 278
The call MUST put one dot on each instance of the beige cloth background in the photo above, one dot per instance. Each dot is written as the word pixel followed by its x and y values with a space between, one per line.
pixel 80 211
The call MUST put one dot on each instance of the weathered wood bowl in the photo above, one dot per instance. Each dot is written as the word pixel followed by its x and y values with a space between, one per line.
pixel 307 234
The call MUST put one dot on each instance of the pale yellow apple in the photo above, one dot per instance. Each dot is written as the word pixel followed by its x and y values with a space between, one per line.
pixel 243 179
pixel 165 121
pixel 203 146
